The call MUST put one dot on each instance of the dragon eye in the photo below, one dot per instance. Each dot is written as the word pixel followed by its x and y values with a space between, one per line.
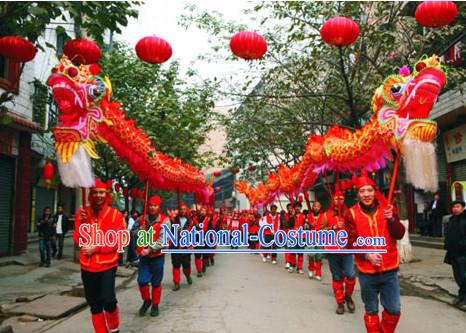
pixel 95 91
pixel 396 90
pixel 72 72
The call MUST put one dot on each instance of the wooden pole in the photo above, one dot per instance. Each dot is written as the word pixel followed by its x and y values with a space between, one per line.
pixel 147 198
pixel 178 196
pixel 394 175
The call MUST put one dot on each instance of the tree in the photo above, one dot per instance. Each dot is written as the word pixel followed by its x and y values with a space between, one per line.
pixel 29 19
pixel 306 85
pixel 175 115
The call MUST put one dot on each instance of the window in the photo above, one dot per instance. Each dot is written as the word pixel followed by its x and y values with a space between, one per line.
pixel 60 43
pixel 9 75
pixel 53 115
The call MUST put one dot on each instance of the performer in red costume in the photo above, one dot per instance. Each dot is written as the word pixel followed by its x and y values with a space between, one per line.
pixel 273 220
pixel 151 262
pixel 254 229
pixel 287 222
pixel 378 272
pixel 212 225
pixel 183 220
pixel 99 264
pixel 341 265
pixel 314 221
pixel 300 220
pixel 201 259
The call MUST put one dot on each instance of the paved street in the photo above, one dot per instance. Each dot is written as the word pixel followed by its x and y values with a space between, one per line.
pixel 241 294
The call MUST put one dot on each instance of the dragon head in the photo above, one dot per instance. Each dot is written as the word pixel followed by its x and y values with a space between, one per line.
pixel 77 91
pixel 404 100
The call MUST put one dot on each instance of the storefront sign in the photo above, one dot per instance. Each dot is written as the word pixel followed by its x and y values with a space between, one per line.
pixel 455 144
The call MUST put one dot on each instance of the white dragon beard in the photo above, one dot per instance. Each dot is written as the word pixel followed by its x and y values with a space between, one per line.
pixel 421 164
pixel 78 171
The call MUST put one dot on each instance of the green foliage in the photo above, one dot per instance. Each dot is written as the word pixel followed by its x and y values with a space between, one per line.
pixel 30 18
pixel 176 116
pixel 39 102
pixel 307 85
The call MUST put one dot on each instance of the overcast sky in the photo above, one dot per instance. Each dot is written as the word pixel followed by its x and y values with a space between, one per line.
pixel 161 17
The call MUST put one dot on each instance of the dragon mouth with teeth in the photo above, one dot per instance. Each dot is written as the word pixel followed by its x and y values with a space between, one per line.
pixel 78 112
pixel 69 98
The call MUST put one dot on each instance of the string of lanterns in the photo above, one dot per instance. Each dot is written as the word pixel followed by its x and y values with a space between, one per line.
pixel 249 45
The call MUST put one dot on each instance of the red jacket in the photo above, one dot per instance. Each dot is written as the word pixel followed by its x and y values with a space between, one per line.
pixel 188 226
pixel 299 220
pixel 315 222
pixel 105 257
pixel 156 226
pixel 358 223
pixel 254 225
pixel 274 222
pixel 205 222
pixel 330 222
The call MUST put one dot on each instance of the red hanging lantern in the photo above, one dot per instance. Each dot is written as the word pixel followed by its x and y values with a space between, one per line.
pixel 234 171
pixel 217 173
pixel 117 187
pixel 306 195
pixel 434 14
pixel 339 31
pixel 153 49
pixel 251 167
pixel 82 51
pixel 248 45
pixel 300 198
pixel 48 172
pixel 125 191
pixel 17 49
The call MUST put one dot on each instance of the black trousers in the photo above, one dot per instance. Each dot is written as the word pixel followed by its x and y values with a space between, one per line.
pixel 181 259
pixel 459 272
pixel 60 239
pixel 202 255
pixel 436 222
pixel 99 289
